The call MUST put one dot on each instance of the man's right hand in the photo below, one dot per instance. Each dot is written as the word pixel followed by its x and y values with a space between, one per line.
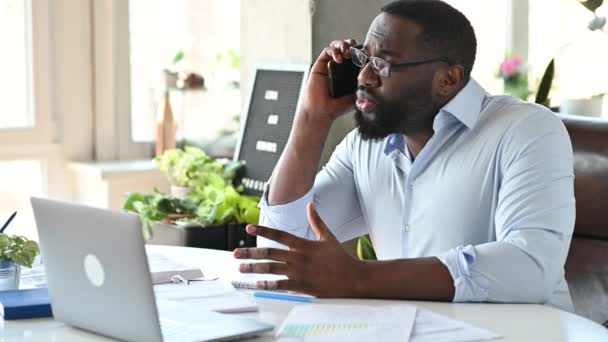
pixel 317 104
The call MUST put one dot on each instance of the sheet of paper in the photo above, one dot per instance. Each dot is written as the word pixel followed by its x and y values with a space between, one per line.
pixel 325 322
pixel 196 289
pixel 215 295
pixel 32 277
pixel 433 327
pixel 429 322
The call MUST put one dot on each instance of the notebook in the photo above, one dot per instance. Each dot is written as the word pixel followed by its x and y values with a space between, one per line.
pixel 248 280
pixel 30 303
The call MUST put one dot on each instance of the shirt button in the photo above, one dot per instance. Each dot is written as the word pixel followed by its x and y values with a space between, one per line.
pixel 407 228
pixel 413 182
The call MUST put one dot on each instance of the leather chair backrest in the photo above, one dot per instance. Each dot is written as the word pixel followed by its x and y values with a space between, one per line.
pixel 587 262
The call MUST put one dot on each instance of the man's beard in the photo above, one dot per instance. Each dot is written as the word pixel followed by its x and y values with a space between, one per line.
pixel 410 115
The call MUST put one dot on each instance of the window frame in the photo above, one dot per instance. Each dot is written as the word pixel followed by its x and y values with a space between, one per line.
pixel 42 133
pixel 112 94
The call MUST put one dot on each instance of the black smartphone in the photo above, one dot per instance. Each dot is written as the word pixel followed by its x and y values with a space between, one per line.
pixel 342 78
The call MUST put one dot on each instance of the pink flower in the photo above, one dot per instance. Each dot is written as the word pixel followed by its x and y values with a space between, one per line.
pixel 509 66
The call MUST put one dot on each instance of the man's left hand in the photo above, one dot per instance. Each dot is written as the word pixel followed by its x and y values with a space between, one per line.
pixel 321 268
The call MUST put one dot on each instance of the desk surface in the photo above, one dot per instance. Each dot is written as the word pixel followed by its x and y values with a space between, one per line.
pixel 521 322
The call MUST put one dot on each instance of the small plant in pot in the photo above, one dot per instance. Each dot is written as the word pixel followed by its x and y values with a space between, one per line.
pixel 206 195
pixel 15 252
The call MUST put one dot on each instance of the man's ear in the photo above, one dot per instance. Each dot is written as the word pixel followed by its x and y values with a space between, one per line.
pixel 451 80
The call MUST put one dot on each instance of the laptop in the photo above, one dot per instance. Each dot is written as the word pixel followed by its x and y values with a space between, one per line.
pixel 98 280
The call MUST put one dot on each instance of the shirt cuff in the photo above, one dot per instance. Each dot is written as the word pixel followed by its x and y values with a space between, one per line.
pixel 297 207
pixel 469 285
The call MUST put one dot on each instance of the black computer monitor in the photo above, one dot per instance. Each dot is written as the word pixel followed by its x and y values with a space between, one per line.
pixel 275 93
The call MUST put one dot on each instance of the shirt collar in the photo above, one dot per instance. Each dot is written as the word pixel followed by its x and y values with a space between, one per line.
pixel 465 107
pixel 394 142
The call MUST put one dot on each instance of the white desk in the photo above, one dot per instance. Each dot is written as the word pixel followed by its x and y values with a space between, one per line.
pixel 514 322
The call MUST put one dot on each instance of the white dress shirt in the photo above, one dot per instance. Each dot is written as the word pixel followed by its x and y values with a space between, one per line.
pixel 491 195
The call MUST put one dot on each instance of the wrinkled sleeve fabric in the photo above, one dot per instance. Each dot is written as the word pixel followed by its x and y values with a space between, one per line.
pixel 334 194
pixel 534 220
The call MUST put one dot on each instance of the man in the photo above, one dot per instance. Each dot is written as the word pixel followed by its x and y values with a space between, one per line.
pixel 467 197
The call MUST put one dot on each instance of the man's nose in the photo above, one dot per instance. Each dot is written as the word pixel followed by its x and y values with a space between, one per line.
pixel 367 77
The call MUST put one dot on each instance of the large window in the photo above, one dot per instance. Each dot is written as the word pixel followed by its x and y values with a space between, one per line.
pixel 490 24
pixel 18 179
pixel 558 29
pixel 25 125
pixel 204 35
pixel 15 65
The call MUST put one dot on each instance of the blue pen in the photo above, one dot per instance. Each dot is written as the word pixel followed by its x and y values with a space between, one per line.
pixel 8 222
pixel 283 296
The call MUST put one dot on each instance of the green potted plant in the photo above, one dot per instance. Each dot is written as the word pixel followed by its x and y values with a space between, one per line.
pixel 207 211
pixel 15 252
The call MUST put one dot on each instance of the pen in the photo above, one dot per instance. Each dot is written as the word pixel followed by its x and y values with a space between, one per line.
pixel 283 296
pixel 8 222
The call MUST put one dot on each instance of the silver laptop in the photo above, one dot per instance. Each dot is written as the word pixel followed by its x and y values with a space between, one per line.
pixel 98 279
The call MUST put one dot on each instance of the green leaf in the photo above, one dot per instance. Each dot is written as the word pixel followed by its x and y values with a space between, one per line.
pixel 225 214
pixel 365 248
pixel 542 94
pixel 131 199
pixel 250 214
pixel 591 5
pixel 178 56
pixel 5 241
pixel 231 169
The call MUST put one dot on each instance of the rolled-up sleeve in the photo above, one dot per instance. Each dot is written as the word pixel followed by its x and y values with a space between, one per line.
pixel 534 221
pixel 334 194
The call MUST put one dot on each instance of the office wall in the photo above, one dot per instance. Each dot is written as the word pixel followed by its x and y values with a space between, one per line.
pixel 273 31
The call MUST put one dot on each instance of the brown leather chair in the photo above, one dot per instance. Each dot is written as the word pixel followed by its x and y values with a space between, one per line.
pixel 587 263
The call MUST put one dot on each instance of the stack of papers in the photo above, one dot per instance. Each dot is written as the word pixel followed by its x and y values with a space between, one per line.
pixel 401 322
pixel 215 295
pixel 162 269
pixel 32 277
pixel 326 322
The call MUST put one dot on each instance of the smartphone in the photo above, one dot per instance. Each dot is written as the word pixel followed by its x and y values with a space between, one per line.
pixel 342 78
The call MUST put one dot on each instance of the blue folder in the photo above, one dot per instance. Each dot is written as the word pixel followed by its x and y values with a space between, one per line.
pixel 30 303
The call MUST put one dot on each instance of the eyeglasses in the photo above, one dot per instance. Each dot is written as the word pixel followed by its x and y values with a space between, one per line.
pixel 381 67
